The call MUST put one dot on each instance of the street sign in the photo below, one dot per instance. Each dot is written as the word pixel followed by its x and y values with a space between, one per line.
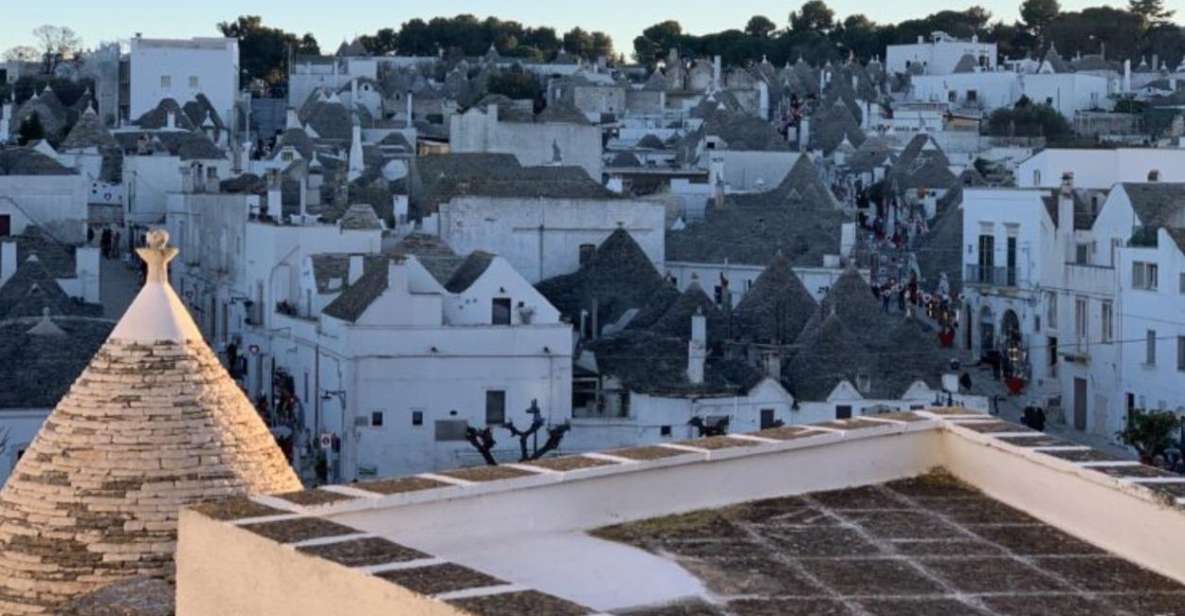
pixel 326 441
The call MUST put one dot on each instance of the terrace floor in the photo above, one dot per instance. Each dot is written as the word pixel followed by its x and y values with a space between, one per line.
pixel 922 546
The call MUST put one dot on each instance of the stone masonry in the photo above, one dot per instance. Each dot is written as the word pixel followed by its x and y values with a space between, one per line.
pixel 149 426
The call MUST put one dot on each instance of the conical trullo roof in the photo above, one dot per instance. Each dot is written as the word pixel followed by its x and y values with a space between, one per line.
pixel 676 321
pixel 776 308
pixel 851 300
pixel 153 424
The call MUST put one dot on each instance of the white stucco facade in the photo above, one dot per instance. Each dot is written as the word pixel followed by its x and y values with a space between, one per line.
pixel 56 203
pixel 532 143
pixel 181 69
pixel 542 237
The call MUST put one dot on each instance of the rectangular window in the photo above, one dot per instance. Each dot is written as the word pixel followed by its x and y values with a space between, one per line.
pixel 1052 344
pixel 417 418
pixel 1145 276
pixel 1108 327
pixel 194 82
pixel 972 96
pixel 495 407
pixel 1080 321
pixel 376 419
pixel 1180 282
pixel 501 311
pixel 843 411
pixel 664 431
pixel 1051 309
pixel 1181 353
pixel 166 81
pixel 1011 261
pixel 768 421
pixel 1150 348
pixel 1082 254
pixel 987 258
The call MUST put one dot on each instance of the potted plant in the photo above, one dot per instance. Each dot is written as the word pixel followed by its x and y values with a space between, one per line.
pixel 1149 433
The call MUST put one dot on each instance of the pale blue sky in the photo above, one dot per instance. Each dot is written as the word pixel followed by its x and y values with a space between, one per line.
pixel 331 20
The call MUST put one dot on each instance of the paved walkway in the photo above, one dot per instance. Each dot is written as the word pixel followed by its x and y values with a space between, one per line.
pixel 118 285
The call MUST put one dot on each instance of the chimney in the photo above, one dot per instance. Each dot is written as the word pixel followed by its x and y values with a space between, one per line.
pixel 697 348
pixel 275 198
pixel 292 120
pixel 773 365
pixel 921 39
pixel 356 163
pixel 1127 75
pixel 716 72
pixel 409 108
pixel 1065 212
pixel 170 120
pixel 804 133
pixel 353 91
pixel 7 261
pixel 355 271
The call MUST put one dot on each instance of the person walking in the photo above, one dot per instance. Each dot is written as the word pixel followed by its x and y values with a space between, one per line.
pixel 105 243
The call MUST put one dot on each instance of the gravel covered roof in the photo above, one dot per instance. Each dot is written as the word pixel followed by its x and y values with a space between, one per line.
pixel 157 118
pixel 359 217
pixel 88 132
pixel 920 546
pixel 941 251
pixel 1157 204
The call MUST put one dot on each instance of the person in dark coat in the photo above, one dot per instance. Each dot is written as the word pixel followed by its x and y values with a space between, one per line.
pixel 105 243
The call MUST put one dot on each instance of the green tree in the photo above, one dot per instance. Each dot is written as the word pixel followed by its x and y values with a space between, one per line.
pixel 813 16
pixel 515 84
pixel 1028 120
pixel 578 42
pixel 57 43
pixel 1150 433
pixel 646 51
pixel 1152 11
pixel 602 46
pixel 383 42
pixel 31 130
pixel 1038 14
pixel 760 26
pixel 263 51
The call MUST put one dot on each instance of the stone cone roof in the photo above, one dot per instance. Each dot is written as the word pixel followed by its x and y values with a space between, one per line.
pixel 777 307
pixel 153 424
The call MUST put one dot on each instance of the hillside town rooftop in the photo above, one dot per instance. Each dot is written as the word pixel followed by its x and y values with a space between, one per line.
pixel 927 512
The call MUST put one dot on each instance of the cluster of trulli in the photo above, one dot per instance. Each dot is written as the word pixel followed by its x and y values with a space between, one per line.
pixel 153 424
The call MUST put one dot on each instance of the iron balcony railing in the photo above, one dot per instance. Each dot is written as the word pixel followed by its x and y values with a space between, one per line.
pixel 993 276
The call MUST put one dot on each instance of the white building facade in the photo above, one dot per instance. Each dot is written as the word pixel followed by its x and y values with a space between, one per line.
pixel 181 69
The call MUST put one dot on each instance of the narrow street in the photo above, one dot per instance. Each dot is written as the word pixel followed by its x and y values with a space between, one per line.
pixel 118 285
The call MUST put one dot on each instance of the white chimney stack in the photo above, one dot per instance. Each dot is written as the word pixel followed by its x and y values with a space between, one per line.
pixel 697 349
pixel 355 271
pixel 292 120
pixel 170 120
pixel 409 109
pixel 7 261
pixel 717 70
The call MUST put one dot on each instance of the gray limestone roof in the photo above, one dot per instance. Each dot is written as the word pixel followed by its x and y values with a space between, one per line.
pixel 830 354
pixel 966 64
pixel 1178 236
pixel 941 251
pixel 359 217
pixel 1085 211
pixel 618 277
pixel 27 161
pixel 741 131
pixel 831 125
pixel 356 298
pixel 188 145
pixel 1157 204
pixel 649 363
pixel 676 320
pixel 331 271
pixel 32 289
pixel 330 120
pixel 925 172
pixel 624 159
pixel 38 369
pixel 88 132
pixel 432 252
pixel 561 112
pixel 1055 60
pixel 296 138
pixel 873 153
pixel 470 270
pixel 1095 62
pixel 776 307
pixel 201 113
pixel 550 182
pixel 851 300
pixel 755 235
pixel 158 117
pixel 55 257
pixel 195 145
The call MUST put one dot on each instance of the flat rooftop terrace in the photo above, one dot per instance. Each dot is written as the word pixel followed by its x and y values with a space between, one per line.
pixel 930 512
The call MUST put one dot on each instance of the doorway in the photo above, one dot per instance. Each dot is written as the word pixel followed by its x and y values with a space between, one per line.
pixel 1079 404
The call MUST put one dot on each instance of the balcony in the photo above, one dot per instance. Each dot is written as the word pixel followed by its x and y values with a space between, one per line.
pixel 992 276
